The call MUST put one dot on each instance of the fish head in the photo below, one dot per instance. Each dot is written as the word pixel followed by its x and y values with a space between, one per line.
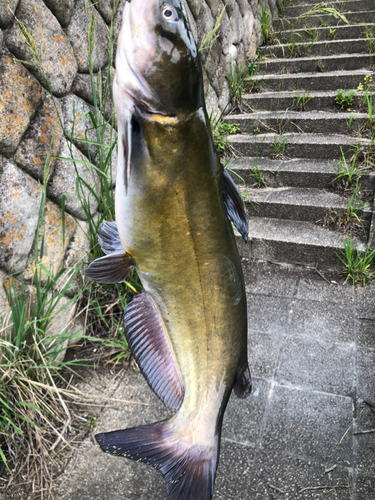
pixel 157 61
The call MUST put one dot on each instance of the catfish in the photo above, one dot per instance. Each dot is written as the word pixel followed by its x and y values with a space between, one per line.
pixel 175 205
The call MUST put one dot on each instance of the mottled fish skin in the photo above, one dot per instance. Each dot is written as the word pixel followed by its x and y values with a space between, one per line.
pixel 174 227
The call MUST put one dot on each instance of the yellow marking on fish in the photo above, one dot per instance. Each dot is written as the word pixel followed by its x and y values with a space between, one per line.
pixel 164 119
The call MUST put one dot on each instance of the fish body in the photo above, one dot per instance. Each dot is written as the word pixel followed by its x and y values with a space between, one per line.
pixel 188 329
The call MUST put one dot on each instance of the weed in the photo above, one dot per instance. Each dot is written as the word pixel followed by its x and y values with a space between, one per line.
pixel 256 130
pixel 294 48
pixel 355 205
pixel 236 77
pixel 322 8
pixel 253 84
pixel 370 38
pixel 313 34
pixel 358 264
pixel 344 101
pixel 30 352
pixel 320 65
pixel 220 133
pixel 208 41
pixel 347 173
pixel 323 22
pixel 350 121
pixel 367 82
pixel 332 33
pixel 266 24
pixel 258 176
pixel 300 101
pixel 279 145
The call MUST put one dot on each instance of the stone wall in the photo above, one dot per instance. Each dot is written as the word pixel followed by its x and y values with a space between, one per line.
pixel 37 102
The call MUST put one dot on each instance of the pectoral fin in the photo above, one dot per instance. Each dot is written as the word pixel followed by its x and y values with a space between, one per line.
pixel 235 205
pixel 152 349
pixel 109 239
pixel 112 268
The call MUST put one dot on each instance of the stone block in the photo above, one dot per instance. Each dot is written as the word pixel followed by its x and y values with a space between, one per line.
pixel 244 418
pixel 61 9
pixel 79 123
pixel 267 314
pixel 7 11
pixel 20 97
pixel 263 352
pixel 332 324
pixel 77 258
pixel 290 474
pixel 4 304
pixel 366 374
pixel 19 212
pixel 317 365
pixel 308 424
pixel 55 53
pixel 43 137
pixel 82 87
pixel 61 324
pixel 56 237
pixel 105 8
pixel 78 34
pixel 74 169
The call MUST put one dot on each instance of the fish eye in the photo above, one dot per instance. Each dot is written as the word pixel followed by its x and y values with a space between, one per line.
pixel 170 14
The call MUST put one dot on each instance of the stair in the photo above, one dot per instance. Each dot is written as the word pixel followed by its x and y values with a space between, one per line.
pixel 293 134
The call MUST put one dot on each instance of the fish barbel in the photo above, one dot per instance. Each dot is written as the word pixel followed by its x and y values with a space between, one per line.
pixel 174 207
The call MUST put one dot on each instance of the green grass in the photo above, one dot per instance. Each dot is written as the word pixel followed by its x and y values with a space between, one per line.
pixel 344 100
pixel 35 415
pixel 279 146
pixel 266 24
pixel 322 8
pixel 301 100
pixel 348 172
pixel 358 265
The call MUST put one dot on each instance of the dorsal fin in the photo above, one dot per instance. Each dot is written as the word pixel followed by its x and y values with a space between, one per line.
pixel 109 239
pixel 234 205
pixel 152 349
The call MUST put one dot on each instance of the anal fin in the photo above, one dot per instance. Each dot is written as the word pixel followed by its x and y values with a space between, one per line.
pixel 242 386
pixel 234 205
pixel 112 268
pixel 152 349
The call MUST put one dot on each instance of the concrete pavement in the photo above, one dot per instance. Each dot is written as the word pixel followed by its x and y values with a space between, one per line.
pixel 300 434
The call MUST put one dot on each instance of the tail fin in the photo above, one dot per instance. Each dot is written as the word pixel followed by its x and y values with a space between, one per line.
pixel 188 473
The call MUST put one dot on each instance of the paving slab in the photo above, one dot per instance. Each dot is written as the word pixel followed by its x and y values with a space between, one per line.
pixel 311 371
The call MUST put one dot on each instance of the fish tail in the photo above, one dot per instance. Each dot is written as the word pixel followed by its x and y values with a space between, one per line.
pixel 189 473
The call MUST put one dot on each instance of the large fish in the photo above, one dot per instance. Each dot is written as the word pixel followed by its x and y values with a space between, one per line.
pixel 174 207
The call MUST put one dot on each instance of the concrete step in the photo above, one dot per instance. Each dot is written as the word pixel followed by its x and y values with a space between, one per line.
pixel 328 80
pixel 296 48
pixel 319 122
pixel 278 101
pixel 293 242
pixel 323 20
pixel 296 172
pixel 342 8
pixel 321 34
pixel 291 145
pixel 337 62
pixel 292 203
